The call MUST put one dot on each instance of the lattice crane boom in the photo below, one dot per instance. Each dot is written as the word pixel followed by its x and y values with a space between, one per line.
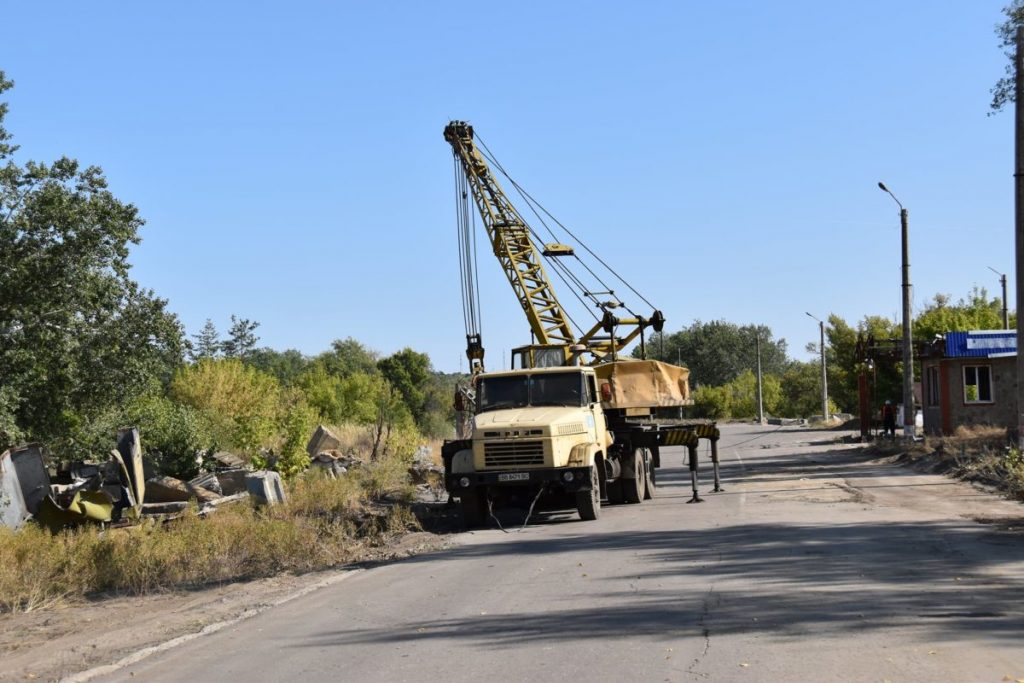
pixel 511 241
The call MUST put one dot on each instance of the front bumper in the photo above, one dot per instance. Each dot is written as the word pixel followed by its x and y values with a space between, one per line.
pixel 463 481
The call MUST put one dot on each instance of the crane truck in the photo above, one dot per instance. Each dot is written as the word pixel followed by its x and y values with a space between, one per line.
pixel 572 420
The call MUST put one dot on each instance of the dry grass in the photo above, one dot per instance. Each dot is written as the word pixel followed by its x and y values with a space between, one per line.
pixel 978 453
pixel 355 439
pixel 324 523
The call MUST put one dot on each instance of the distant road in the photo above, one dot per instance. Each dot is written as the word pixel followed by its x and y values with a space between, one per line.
pixel 815 564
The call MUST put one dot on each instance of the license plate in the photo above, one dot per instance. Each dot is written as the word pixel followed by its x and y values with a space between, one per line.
pixel 514 476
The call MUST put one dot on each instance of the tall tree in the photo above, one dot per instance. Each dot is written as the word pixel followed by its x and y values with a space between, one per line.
pixel 77 333
pixel 348 356
pixel 976 312
pixel 1003 90
pixel 207 343
pixel 241 338
pixel 409 372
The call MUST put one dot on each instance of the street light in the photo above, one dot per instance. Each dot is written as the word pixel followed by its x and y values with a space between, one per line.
pixel 824 376
pixel 1006 313
pixel 908 357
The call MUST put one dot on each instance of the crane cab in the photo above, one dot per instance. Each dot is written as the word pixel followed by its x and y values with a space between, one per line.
pixel 541 356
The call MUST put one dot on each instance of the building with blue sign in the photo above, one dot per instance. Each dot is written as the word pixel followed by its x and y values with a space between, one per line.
pixel 970 378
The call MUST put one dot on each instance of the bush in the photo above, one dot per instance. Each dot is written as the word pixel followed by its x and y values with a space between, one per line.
pixel 713 402
pixel 244 406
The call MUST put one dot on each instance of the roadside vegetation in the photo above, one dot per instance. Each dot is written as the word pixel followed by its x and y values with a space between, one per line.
pixel 323 523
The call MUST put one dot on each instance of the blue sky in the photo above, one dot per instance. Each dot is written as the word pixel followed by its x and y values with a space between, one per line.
pixel 289 162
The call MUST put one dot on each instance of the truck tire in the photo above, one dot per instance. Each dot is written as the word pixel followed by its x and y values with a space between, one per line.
pixel 588 503
pixel 474 509
pixel 652 477
pixel 636 488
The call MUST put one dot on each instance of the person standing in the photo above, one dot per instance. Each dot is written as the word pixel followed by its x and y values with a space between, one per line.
pixel 889 419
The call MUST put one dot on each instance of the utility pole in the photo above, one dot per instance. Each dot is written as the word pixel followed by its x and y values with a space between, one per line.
pixel 760 398
pixel 824 375
pixel 1018 178
pixel 1006 312
pixel 908 348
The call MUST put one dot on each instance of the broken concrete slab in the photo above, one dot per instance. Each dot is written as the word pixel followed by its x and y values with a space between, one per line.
pixel 164 508
pixel 230 460
pixel 171 490
pixel 331 465
pixel 323 439
pixel 207 481
pixel 232 481
pixel 265 487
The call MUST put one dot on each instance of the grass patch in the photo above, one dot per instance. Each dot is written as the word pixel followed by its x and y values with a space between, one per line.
pixel 323 523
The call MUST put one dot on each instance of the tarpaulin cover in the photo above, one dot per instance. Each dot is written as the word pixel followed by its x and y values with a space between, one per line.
pixel 645 384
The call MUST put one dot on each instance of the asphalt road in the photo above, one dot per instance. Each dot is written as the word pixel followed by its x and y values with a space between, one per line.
pixel 815 564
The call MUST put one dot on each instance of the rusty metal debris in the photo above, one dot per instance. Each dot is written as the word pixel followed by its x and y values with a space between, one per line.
pixel 116 491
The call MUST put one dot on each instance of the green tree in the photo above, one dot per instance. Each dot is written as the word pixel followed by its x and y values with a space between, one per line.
pixel 976 312
pixel 207 343
pixel 717 352
pixel 409 372
pixel 1003 90
pixel 347 356
pixel 800 386
pixel 743 394
pixel 243 405
pixel 287 366
pixel 77 333
pixel 241 339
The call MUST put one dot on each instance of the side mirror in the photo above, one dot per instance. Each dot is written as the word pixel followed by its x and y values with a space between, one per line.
pixel 606 391
pixel 460 401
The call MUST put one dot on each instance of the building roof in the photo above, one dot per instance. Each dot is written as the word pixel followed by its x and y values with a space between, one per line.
pixel 981 344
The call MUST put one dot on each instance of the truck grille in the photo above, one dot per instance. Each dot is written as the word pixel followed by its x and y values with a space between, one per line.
pixel 511 453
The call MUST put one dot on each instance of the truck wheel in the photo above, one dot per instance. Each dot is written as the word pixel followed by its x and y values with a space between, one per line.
pixel 652 477
pixel 588 503
pixel 474 509
pixel 636 488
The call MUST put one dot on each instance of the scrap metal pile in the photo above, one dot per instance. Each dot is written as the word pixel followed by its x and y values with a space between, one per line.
pixel 117 491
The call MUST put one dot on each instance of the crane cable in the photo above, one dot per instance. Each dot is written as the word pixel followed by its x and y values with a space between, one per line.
pixel 534 203
pixel 558 268
pixel 466 223
pixel 563 272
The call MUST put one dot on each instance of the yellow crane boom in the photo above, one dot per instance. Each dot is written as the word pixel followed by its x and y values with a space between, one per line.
pixel 511 241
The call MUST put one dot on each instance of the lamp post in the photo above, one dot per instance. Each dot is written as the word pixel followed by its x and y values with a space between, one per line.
pixel 1006 312
pixel 824 377
pixel 908 351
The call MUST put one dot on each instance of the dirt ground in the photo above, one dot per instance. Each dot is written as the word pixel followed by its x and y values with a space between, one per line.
pixel 55 644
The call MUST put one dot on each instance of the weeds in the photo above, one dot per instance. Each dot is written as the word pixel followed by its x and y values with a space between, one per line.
pixel 978 453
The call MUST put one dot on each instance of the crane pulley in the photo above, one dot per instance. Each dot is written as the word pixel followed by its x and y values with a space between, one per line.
pixel 513 242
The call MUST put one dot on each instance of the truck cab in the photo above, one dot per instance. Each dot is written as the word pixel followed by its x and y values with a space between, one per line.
pixel 534 429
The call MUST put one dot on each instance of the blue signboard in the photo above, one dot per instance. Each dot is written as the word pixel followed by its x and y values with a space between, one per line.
pixel 981 344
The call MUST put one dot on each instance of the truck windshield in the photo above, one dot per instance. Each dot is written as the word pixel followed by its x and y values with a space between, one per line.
pixel 549 389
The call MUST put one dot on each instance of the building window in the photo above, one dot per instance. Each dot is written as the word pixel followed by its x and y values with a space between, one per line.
pixel 977 384
pixel 933 386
